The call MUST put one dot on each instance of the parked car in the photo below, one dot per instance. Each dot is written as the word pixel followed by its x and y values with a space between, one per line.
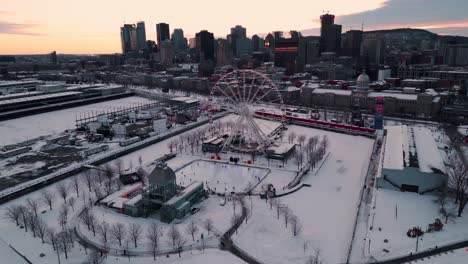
pixel 194 210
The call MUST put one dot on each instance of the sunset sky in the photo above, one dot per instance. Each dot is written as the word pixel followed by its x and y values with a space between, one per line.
pixel 93 26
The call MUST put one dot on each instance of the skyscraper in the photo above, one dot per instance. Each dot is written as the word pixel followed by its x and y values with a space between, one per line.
pixel 351 43
pixel 128 38
pixel 223 53
pixel 205 45
pixel 167 52
pixel 180 42
pixel 162 32
pixel 330 34
pixel 373 48
pixel 237 33
pixel 286 51
pixel 257 43
pixel 141 35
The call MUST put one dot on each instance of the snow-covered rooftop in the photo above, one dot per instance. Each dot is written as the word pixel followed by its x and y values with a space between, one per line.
pixel 281 148
pixel 184 99
pixel 403 141
pixel 395 95
pixel 428 153
pixel 333 91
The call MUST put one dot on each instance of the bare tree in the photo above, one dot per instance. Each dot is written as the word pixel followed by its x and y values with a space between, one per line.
pixel 458 181
pixel 173 234
pixel 135 233
pixel 118 165
pixel 92 223
pixel 325 142
pixel 88 179
pixel 179 244
pixel 84 216
pixel 99 178
pixel 192 229
pixel 299 158
pixel 33 205
pixel 301 139
pixel 24 216
pixel 441 199
pixel 62 190
pixel 41 228
pixel 140 160
pixel 108 187
pixel 48 198
pixel 153 235
pixel 31 222
pixel 75 184
pixel 118 232
pixel 291 137
pixel 13 212
pixel 171 145
pixel 316 258
pixel 447 214
pixel 286 215
pixel 117 184
pixel 277 204
pixel 63 216
pixel 208 225
pixel 108 169
pixel 51 237
pixel 63 243
pixel 103 231
pixel 71 202
pixel 296 225
pixel 311 144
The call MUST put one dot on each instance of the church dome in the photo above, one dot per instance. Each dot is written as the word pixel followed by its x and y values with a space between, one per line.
pixel 363 81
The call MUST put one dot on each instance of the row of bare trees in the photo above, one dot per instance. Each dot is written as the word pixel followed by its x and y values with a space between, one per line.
pixel 284 212
pixel 133 232
pixel 26 216
pixel 311 151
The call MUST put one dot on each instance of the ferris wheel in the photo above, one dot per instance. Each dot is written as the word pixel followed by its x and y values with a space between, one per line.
pixel 243 92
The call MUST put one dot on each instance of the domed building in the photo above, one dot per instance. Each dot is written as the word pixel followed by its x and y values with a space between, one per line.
pixel 362 82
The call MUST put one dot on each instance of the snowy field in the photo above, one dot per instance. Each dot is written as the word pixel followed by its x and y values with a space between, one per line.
pixel 395 214
pixel 327 209
pixel 28 127
pixel 221 177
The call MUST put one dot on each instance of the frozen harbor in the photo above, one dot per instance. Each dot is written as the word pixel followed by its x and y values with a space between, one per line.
pixel 29 127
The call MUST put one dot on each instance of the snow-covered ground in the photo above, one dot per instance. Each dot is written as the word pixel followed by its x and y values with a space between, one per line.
pixel 29 127
pixel 210 256
pixel 327 209
pixel 397 212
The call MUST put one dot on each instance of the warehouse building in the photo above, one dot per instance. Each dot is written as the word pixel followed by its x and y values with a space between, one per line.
pixel 411 161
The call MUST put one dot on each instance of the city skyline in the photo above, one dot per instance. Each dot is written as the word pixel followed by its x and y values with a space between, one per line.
pixel 93 27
